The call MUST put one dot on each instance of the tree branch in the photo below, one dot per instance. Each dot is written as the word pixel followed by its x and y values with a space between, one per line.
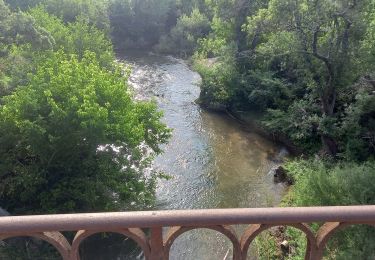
pixel 315 46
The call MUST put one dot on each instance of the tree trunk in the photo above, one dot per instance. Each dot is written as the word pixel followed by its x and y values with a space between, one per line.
pixel 328 99
pixel 241 11
pixel 329 145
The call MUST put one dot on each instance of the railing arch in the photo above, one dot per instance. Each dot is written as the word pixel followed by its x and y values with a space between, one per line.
pixel 326 232
pixel 135 234
pixel 156 246
pixel 227 231
pixel 254 230
pixel 55 239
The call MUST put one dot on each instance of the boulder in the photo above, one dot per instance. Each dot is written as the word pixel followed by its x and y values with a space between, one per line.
pixel 284 246
pixel 281 176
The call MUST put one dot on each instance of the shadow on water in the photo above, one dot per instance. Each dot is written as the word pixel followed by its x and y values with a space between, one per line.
pixel 213 162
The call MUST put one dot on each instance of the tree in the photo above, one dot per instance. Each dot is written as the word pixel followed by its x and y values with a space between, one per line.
pixel 22 4
pixel 74 140
pixel 138 24
pixel 325 36
pixel 183 38
pixel 75 37
pixel 20 38
pixel 94 11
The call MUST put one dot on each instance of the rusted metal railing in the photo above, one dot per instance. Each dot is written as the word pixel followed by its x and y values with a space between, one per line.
pixel 156 246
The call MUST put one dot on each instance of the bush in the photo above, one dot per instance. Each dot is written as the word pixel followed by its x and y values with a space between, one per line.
pixel 76 37
pixel 325 184
pixel 138 24
pixel 183 39
pixel 73 140
pixel 218 77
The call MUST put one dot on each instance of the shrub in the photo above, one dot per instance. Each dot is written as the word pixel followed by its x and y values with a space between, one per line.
pixel 74 140
pixel 320 183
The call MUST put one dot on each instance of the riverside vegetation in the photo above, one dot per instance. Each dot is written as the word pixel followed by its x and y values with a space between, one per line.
pixel 72 137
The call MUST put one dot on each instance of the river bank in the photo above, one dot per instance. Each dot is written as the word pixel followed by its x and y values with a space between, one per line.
pixel 251 123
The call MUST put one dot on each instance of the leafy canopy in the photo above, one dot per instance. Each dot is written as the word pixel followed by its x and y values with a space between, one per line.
pixel 74 139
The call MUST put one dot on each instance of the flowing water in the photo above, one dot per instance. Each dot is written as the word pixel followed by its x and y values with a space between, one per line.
pixel 213 161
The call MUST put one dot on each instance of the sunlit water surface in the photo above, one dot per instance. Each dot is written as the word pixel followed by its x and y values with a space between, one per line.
pixel 213 161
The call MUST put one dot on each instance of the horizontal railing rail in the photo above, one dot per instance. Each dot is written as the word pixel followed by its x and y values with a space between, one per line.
pixel 157 244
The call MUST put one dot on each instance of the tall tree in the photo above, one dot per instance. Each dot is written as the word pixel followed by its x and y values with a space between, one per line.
pixel 74 140
pixel 326 36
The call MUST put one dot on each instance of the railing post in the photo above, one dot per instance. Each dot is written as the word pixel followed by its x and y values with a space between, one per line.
pixel 156 243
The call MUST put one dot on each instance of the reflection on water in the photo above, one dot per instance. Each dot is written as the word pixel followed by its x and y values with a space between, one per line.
pixel 213 161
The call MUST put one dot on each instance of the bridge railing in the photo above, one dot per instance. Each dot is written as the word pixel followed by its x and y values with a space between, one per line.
pixel 167 226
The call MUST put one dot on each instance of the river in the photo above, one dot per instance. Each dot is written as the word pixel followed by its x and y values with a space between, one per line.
pixel 213 162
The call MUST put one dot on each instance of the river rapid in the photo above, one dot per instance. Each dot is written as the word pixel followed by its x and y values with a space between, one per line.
pixel 213 161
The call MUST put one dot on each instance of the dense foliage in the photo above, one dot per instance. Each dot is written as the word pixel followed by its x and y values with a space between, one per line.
pixel 305 65
pixel 95 11
pixel 327 184
pixel 183 38
pixel 72 138
pixel 139 24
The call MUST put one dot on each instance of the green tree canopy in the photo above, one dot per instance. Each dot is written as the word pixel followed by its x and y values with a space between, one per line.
pixel 74 139
pixel 69 10
pixel 184 36
pixel 75 37
pixel 138 23
pixel 318 45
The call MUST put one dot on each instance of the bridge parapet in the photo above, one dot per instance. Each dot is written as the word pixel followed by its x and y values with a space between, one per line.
pixel 167 226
